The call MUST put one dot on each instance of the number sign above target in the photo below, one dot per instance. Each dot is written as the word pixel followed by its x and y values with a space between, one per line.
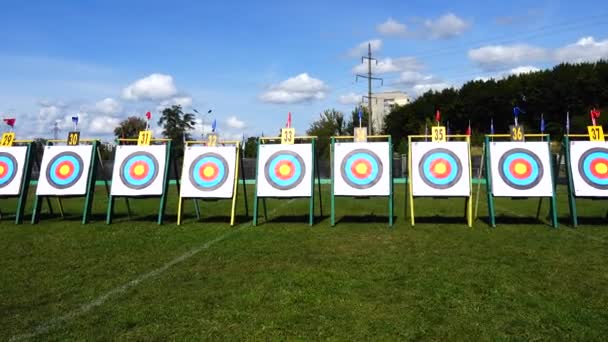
pixel 139 170
pixel 521 169
pixel 441 169
pixel 12 160
pixel 589 168
pixel 64 170
pixel 285 170
pixel 208 172
pixel 361 169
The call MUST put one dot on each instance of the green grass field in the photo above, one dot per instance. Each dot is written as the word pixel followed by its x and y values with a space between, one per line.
pixel 134 280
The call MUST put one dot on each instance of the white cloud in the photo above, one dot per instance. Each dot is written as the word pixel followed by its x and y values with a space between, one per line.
pixel 411 78
pixel 392 27
pixel 361 49
pixel 584 50
pixel 103 125
pixel 349 99
pixel 494 57
pixel 152 87
pixel 447 26
pixel 420 89
pixel 523 70
pixel 388 65
pixel 235 123
pixel 184 101
pixel 298 89
pixel 107 106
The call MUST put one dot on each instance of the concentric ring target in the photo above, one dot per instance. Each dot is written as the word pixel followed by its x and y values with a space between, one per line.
pixel 208 171
pixel 593 167
pixel 361 168
pixel 8 168
pixel 284 170
pixel 440 168
pixel 520 169
pixel 138 170
pixel 64 170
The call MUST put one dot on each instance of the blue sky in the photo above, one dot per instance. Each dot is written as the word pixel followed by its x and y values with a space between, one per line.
pixel 252 62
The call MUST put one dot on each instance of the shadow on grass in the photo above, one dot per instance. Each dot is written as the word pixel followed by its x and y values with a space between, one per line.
pixel 516 221
pixel 441 220
pixel 371 218
pixel 585 221
pixel 239 219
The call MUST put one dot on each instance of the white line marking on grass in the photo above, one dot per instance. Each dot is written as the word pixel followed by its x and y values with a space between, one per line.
pixel 83 309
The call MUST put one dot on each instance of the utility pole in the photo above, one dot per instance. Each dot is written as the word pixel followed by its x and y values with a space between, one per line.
pixel 369 77
pixel 56 130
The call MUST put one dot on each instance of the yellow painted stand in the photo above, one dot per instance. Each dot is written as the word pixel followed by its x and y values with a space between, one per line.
pixel 410 197
pixel 238 171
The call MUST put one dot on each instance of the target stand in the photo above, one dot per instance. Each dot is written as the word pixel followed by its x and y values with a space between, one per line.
pixel 211 173
pixel 362 169
pixel 440 170
pixel 586 162
pixel 16 160
pixel 286 170
pixel 67 171
pixel 520 170
pixel 141 171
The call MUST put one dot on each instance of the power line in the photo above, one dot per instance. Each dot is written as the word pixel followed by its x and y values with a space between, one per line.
pixel 369 78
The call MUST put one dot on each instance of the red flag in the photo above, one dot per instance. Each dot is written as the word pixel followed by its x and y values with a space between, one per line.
pixel 10 122
pixel 595 114
pixel 149 115
pixel 469 128
pixel 289 120
pixel 438 116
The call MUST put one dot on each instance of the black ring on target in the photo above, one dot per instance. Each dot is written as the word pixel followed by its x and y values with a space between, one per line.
pixel 64 170
pixel 440 168
pixel 361 168
pixel 138 170
pixel 588 167
pixel 8 168
pixel 208 171
pixel 284 170
pixel 520 168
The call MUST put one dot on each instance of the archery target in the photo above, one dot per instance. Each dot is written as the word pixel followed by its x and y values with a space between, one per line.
pixel 139 170
pixel 441 169
pixel 521 169
pixel 589 168
pixel 208 172
pixel 64 170
pixel 361 169
pixel 285 170
pixel 12 161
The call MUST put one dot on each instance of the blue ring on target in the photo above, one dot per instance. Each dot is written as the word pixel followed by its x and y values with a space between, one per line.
pixel 144 158
pixel 9 163
pixel 426 174
pixel 358 156
pixel 585 167
pixel 294 162
pixel 53 170
pixel 506 162
pixel 221 166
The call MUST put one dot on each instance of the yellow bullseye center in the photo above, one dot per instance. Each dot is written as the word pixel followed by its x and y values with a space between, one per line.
pixel 64 170
pixel 521 168
pixel 601 168
pixel 361 168
pixel 1 169
pixel 139 170
pixel 208 171
pixel 440 168
pixel 284 170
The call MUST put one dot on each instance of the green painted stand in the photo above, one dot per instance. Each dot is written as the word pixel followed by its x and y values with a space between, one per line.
pixel 24 187
pixel 311 203
pixel 89 196
pixel 490 195
pixel 390 175
pixel 163 197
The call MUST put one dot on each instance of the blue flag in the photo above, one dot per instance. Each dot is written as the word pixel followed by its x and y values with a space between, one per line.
pixel 542 123
pixel 492 126
pixel 516 111
pixel 213 125
pixel 75 120
pixel 568 123
pixel 360 114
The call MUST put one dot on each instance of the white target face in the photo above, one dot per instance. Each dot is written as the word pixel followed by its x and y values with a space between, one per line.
pixel 521 169
pixel 285 170
pixel 441 169
pixel 361 169
pixel 12 161
pixel 589 168
pixel 139 170
pixel 64 170
pixel 208 172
